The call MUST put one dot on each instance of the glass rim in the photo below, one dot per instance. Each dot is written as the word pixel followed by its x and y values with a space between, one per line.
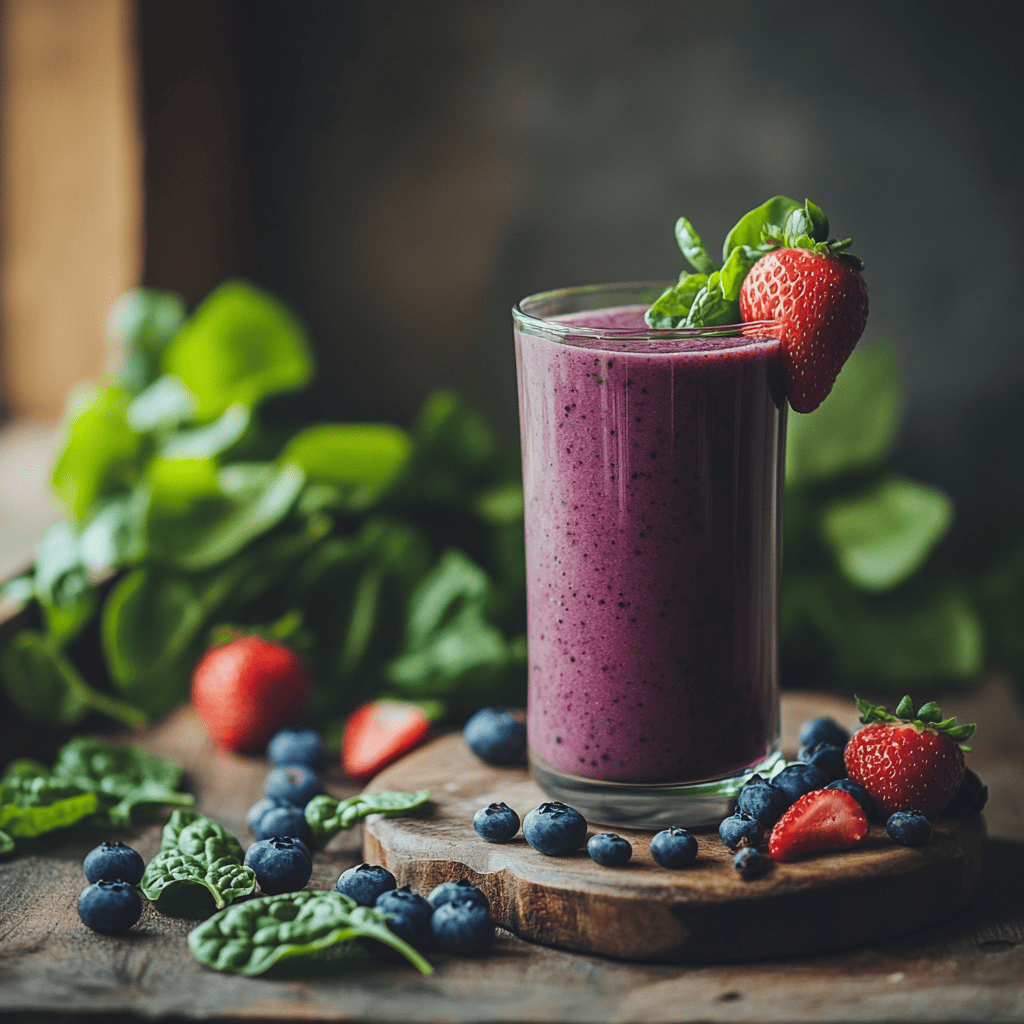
pixel 751 333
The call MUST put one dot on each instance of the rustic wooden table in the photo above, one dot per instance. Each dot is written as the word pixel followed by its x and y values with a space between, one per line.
pixel 967 968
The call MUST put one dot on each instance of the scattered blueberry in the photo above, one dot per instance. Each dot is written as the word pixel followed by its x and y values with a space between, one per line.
pixel 109 907
pixel 294 784
pixel 459 891
pixel 760 799
pixel 970 798
pixel 554 828
pixel 462 927
pixel 827 758
pixel 497 735
pixel 908 828
pixel 674 848
pixel 497 823
pixel 281 864
pixel 860 794
pixel 285 821
pixel 114 862
pixel 296 746
pixel 609 850
pixel 741 830
pixel 410 914
pixel 365 883
pixel 263 806
pixel 823 730
pixel 797 779
pixel 751 863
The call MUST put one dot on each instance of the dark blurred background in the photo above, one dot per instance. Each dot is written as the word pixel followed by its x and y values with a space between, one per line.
pixel 401 172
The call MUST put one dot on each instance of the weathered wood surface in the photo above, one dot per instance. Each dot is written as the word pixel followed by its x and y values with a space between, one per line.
pixel 969 967
pixel 645 912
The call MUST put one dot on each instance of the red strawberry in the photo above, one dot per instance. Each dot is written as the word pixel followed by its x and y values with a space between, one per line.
pixel 248 689
pixel 907 761
pixel 821 304
pixel 819 821
pixel 380 732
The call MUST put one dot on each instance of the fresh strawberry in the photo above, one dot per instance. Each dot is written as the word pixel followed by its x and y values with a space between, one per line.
pixel 822 820
pixel 820 302
pixel 246 690
pixel 380 732
pixel 908 761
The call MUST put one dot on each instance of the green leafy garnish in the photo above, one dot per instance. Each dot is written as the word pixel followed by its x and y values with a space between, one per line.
pixel 709 297
pixel 327 816
pixel 198 869
pixel 91 780
pixel 253 936
pixel 928 716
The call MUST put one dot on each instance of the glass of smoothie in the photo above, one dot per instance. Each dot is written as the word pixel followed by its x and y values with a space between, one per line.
pixel 653 475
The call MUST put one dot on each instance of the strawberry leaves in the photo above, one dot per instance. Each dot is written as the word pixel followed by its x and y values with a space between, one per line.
pixel 928 716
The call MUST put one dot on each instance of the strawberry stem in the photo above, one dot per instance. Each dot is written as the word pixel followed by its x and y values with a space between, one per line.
pixel 928 716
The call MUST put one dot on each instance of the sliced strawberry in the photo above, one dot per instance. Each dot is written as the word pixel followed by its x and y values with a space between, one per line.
pixel 822 820
pixel 820 303
pixel 380 732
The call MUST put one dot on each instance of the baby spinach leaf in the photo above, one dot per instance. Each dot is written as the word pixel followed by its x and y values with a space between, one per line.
pixel 882 535
pixel 749 230
pixel 142 321
pixel 198 861
pixel 327 816
pixel 240 345
pixel 356 455
pixel 165 404
pixel 221 515
pixel 45 686
pixel 122 777
pixel 101 451
pixel 672 307
pixel 212 439
pixel 253 936
pixel 6 843
pixel 693 249
pixel 33 806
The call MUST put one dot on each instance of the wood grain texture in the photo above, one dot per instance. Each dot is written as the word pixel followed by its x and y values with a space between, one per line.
pixel 645 912
pixel 966 968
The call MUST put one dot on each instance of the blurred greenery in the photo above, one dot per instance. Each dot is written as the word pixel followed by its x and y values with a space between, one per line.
pixel 393 559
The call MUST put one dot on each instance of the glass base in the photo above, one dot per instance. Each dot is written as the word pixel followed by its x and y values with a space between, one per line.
pixel 638 805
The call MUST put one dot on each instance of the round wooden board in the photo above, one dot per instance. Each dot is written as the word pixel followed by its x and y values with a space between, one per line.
pixel 643 912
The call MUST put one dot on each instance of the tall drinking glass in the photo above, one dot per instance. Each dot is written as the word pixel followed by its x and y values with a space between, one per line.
pixel 652 471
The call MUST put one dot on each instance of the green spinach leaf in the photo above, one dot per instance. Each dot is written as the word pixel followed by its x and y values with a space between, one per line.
pixel 327 816
pixel 253 936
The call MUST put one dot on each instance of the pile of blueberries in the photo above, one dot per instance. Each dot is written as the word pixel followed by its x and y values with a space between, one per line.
pixel 455 917
pixel 111 903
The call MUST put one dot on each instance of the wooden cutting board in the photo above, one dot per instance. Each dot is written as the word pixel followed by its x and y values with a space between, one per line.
pixel 641 911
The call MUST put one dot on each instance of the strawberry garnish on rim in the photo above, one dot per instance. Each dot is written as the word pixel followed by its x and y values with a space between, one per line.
pixel 812 288
pixel 910 760
pixel 819 822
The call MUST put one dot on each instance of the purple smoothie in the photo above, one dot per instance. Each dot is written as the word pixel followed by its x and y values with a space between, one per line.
pixel 652 480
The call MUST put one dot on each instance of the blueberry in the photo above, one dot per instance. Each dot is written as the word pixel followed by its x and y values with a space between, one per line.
pixel 296 746
pixel 823 730
pixel 365 883
pixel 462 926
pixel 741 830
pixel 761 800
pixel 410 914
pixel 970 798
pixel 460 891
pixel 797 779
pixel 751 863
pixel 109 907
pixel 860 794
pixel 909 828
pixel 674 848
pixel 285 821
pixel 497 735
pixel 554 828
pixel 826 757
pixel 263 806
pixel 609 850
pixel 293 783
pixel 497 823
pixel 113 862
pixel 281 864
